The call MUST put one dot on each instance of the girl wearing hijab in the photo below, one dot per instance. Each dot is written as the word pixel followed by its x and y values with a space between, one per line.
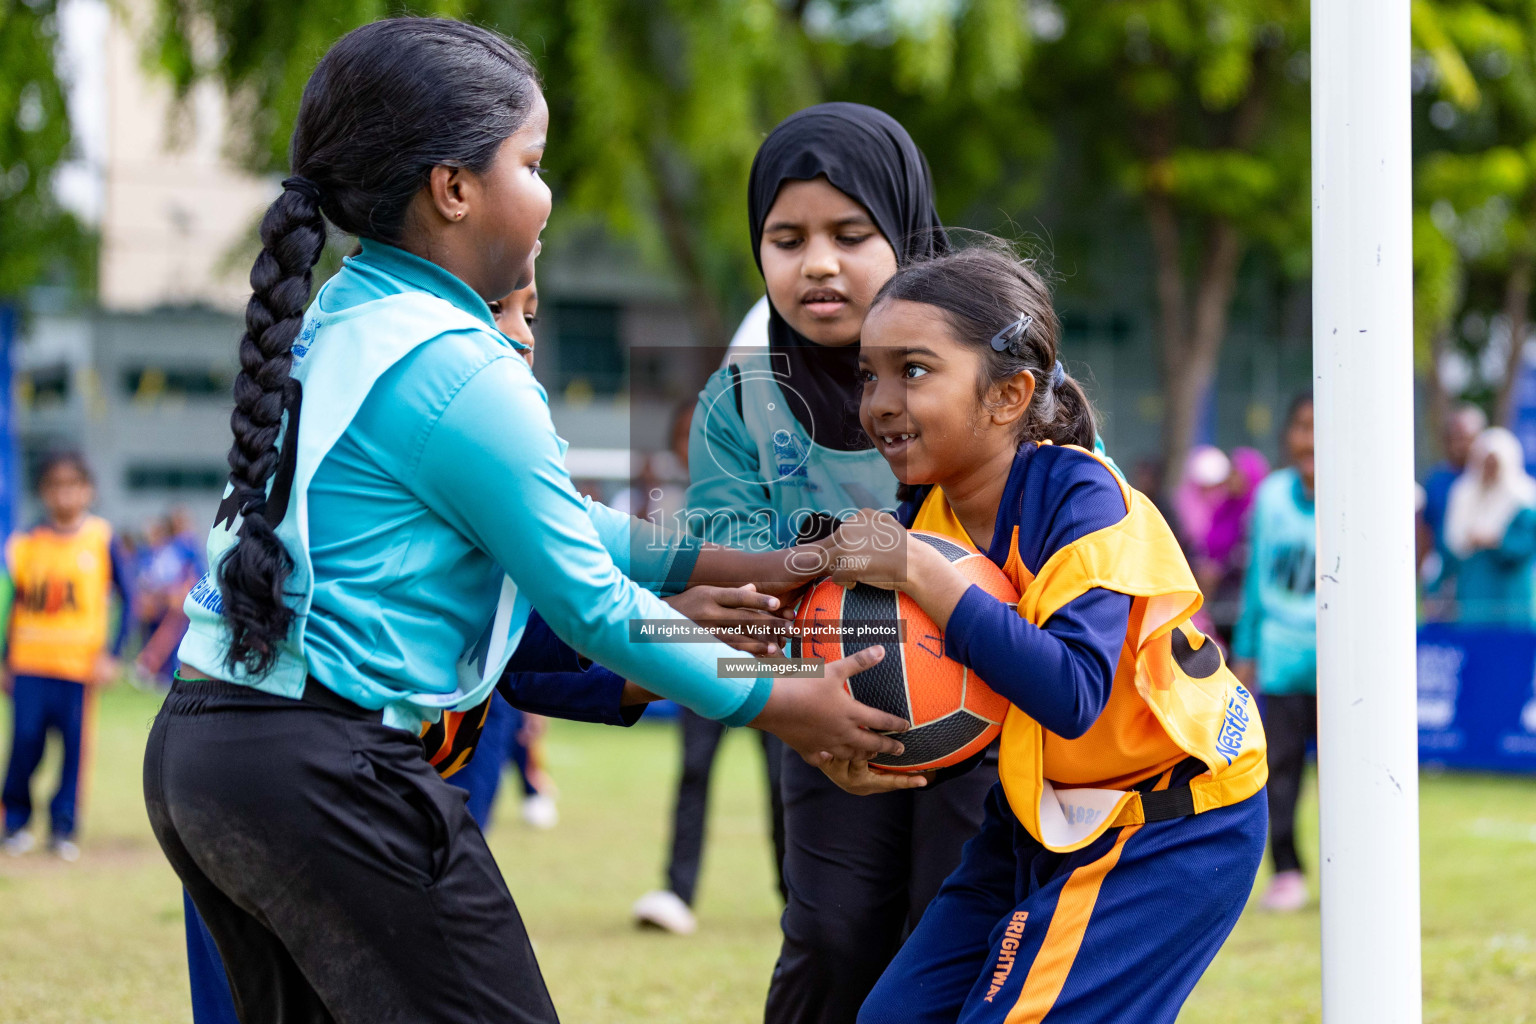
pixel 1490 528
pixel 839 197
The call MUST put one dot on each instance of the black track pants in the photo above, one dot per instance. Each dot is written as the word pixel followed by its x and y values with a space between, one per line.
pixel 340 877
pixel 860 871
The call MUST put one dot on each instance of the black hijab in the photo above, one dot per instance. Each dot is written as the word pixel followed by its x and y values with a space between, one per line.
pixel 867 155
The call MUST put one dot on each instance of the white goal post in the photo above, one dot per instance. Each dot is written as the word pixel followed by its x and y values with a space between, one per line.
pixel 1362 245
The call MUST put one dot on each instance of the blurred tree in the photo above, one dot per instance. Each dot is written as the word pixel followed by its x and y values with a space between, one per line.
pixel 1475 189
pixel 39 241
pixel 657 108
pixel 1198 111
pixel 1195 111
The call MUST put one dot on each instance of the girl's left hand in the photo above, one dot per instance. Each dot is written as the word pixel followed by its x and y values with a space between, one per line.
pixel 858 778
pixel 869 547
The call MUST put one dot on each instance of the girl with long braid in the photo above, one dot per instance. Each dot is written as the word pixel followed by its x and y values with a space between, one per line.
pixel 397 508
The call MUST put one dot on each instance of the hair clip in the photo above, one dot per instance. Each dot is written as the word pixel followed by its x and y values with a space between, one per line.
pixel 1003 340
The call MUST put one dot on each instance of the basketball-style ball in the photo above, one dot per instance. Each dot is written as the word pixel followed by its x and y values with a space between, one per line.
pixel 953 713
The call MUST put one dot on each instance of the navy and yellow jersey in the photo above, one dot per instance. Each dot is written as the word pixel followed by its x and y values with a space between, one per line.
pixel 1110 685
pixel 1069 664
pixel 61 614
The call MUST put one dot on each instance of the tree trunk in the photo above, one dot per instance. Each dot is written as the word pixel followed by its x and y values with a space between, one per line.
pixel 1439 400
pixel 1172 316
pixel 1192 328
pixel 1517 304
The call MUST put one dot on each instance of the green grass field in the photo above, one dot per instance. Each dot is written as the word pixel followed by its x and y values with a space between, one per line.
pixel 102 940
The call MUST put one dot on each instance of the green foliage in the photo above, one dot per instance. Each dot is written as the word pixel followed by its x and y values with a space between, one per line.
pixel 1475 161
pixel 1202 101
pixel 658 106
pixel 39 241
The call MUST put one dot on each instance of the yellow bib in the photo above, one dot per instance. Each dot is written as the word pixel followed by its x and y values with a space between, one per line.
pixel 63 600
pixel 1177 673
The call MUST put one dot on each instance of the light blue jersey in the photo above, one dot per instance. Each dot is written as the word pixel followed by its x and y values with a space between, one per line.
pixel 1278 627
pixel 757 476
pixel 442 514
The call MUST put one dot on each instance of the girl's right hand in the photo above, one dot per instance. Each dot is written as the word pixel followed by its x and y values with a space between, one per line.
pixel 858 778
pixel 818 716
pixel 728 612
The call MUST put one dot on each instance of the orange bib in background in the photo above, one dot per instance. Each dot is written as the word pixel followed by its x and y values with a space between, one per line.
pixel 60 614
pixel 1173 695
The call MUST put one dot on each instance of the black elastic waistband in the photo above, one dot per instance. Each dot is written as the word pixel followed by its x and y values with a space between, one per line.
pixel 316 694
pixel 320 695
pixel 1178 800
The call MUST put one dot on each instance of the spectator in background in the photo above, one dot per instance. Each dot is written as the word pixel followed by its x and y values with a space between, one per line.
pixel 1202 490
pixel 1490 530
pixel 671 909
pixel 1274 646
pixel 1200 493
pixel 1462 427
pixel 167 570
pixel 188 541
pixel 509 734
pixel 1228 522
pixel 1226 550
pixel 61 646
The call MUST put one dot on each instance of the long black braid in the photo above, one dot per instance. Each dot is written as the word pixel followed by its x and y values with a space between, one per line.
pixel 385 105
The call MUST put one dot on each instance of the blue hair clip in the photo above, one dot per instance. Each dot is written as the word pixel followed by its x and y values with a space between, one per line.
pixel 1003 340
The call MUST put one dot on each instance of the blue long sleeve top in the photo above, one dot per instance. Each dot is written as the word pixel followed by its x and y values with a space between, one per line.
pixel 546 676
pixel 1059 674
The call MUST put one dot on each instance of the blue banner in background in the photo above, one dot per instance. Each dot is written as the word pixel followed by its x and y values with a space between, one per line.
pixel 10 469
pixel 1524 414
pixel 1477 697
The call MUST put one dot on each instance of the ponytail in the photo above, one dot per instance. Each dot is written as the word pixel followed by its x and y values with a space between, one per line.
pixel 387 103
pixel 252 574
pixel 1073 421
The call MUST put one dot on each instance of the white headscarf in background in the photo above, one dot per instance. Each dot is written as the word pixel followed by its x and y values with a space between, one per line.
pixel 1480 511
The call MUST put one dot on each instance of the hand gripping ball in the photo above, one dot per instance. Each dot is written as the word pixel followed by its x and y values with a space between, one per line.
pixel 953 713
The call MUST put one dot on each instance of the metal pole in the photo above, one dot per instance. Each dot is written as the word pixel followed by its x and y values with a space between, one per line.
pixel 1362 244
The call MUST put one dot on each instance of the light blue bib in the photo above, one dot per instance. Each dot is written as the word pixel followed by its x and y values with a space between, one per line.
pixel 337 359
pixel 803 478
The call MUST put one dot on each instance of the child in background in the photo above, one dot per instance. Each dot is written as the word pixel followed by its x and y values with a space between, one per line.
pixel 1275 641
pixel 671 908
pixel 1121 844
pixel 61 646
pixel 167 571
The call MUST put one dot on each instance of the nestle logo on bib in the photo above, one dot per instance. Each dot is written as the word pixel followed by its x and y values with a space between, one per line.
pixel 1008 951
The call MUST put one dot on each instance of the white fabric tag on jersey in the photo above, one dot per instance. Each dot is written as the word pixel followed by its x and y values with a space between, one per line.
pixel 1069 816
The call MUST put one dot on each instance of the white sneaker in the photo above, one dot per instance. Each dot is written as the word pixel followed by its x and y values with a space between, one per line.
pixel 1287 893
pixel 64 850
pixel 539 811
pixel 666 910
pixel 18 843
